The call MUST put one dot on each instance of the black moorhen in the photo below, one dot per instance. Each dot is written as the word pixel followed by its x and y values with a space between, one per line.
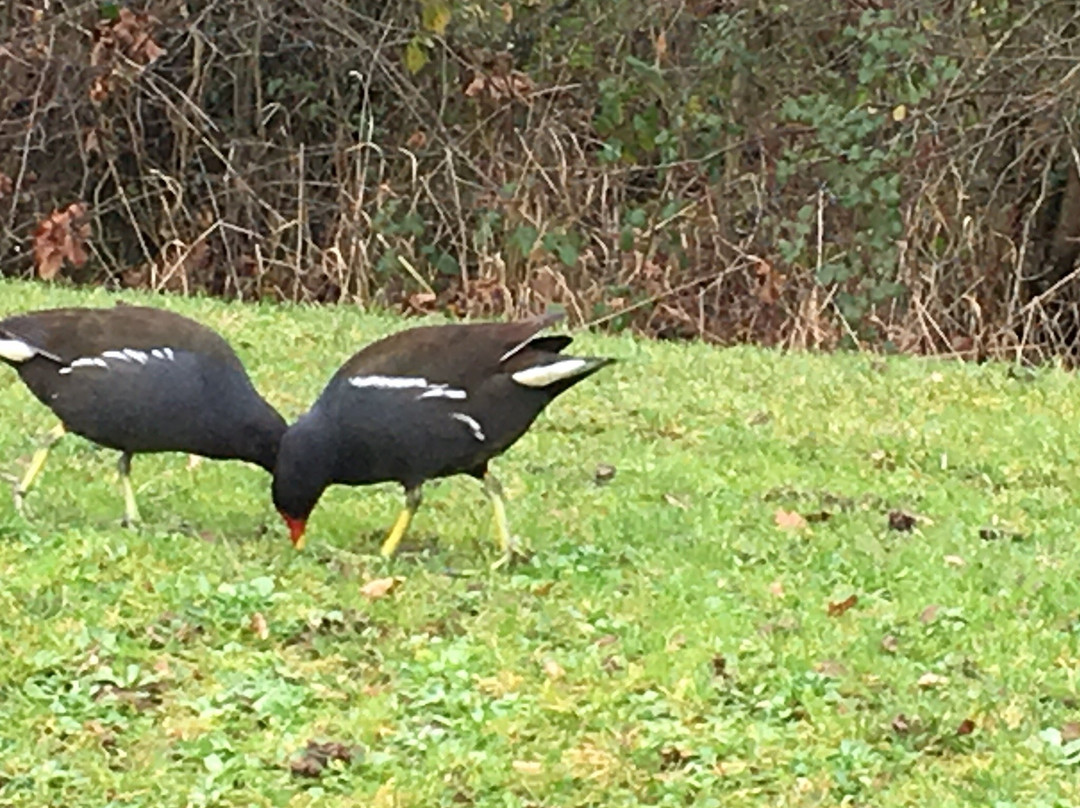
pixel 428 402
pixel 138 380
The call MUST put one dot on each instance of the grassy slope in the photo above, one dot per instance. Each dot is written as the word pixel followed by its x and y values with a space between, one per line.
pixel 131 674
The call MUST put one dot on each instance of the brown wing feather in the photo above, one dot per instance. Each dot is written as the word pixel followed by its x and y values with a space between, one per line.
pixel 451 354
pixel 74 332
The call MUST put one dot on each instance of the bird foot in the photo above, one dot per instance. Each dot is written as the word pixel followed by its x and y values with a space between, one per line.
pixel 516 552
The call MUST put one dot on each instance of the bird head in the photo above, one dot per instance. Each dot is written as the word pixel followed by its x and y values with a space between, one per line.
pixel 301 474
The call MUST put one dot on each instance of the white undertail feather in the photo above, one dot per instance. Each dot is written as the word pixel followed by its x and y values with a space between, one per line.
pixel 15 350
pixel 545 375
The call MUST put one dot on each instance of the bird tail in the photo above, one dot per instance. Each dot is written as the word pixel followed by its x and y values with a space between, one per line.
pixel 561 373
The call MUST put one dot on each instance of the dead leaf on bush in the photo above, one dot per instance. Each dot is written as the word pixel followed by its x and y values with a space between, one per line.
pixel 789 520
pixel 59 237
pixel 381 587
pixel 837 608
pixel 416 140
pixel 6 185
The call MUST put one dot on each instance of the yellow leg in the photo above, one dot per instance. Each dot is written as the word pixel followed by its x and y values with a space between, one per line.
pixel 413 499
pixel 37 462
pixel 493 489
pixel 131 509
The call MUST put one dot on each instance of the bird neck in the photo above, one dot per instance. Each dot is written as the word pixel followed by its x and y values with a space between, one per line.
pixel 305 465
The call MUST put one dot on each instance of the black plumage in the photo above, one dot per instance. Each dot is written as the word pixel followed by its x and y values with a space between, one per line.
pixel 140 380
pixel 428 402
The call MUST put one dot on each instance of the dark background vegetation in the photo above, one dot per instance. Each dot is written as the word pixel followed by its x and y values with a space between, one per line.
pixel 890 173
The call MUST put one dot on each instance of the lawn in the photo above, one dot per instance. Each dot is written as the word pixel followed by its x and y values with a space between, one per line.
pixel 733 619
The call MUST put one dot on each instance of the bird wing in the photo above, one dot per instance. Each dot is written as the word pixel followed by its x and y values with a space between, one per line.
pixel 456 355
pixel 66 335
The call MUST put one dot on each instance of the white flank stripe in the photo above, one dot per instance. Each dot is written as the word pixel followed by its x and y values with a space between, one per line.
pixel 543 375
pixel 65 371
pixel 116 355
pixel 138 356
pixel 442 391
pixel 88 362
pixel 15 350
pixel 388 382
pixel 471 423
pixel 168 353
pixel 157 353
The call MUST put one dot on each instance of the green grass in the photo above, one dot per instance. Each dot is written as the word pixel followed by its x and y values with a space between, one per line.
pixel 668 644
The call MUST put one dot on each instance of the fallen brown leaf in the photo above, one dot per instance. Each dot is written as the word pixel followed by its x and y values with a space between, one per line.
pixel 889 643
pixel 673 500
pixel 837 608
pixel 789 520
pixel 258 626
pixel 719 666
pixel 317 755
pixel 776 588
pixel 901 521
pixel 929 613
pixel 900 724
pixel 675 643
pixel 830 668
pixel 1070 731
pixel 553 670
pixel 967 726
pixel 604 473
pixel 381 587
pixel 931 679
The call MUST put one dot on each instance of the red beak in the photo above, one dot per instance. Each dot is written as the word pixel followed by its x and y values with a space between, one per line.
pixel 296 530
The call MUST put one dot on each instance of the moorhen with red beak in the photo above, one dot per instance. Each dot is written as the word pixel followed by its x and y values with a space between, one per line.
pixel 139 380
pixel 429 402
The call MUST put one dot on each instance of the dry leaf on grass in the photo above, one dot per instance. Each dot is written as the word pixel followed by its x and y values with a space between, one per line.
pixel 837 608
pixel 553 670
pixel 381 587
pixel 258 626
pixel 931 679
pixel 789 520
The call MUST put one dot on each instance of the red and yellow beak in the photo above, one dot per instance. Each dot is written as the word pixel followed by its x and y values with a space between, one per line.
pixel 296 530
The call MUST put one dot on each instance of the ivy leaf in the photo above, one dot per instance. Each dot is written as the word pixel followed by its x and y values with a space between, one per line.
pixel 435 16
pixel 415 56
